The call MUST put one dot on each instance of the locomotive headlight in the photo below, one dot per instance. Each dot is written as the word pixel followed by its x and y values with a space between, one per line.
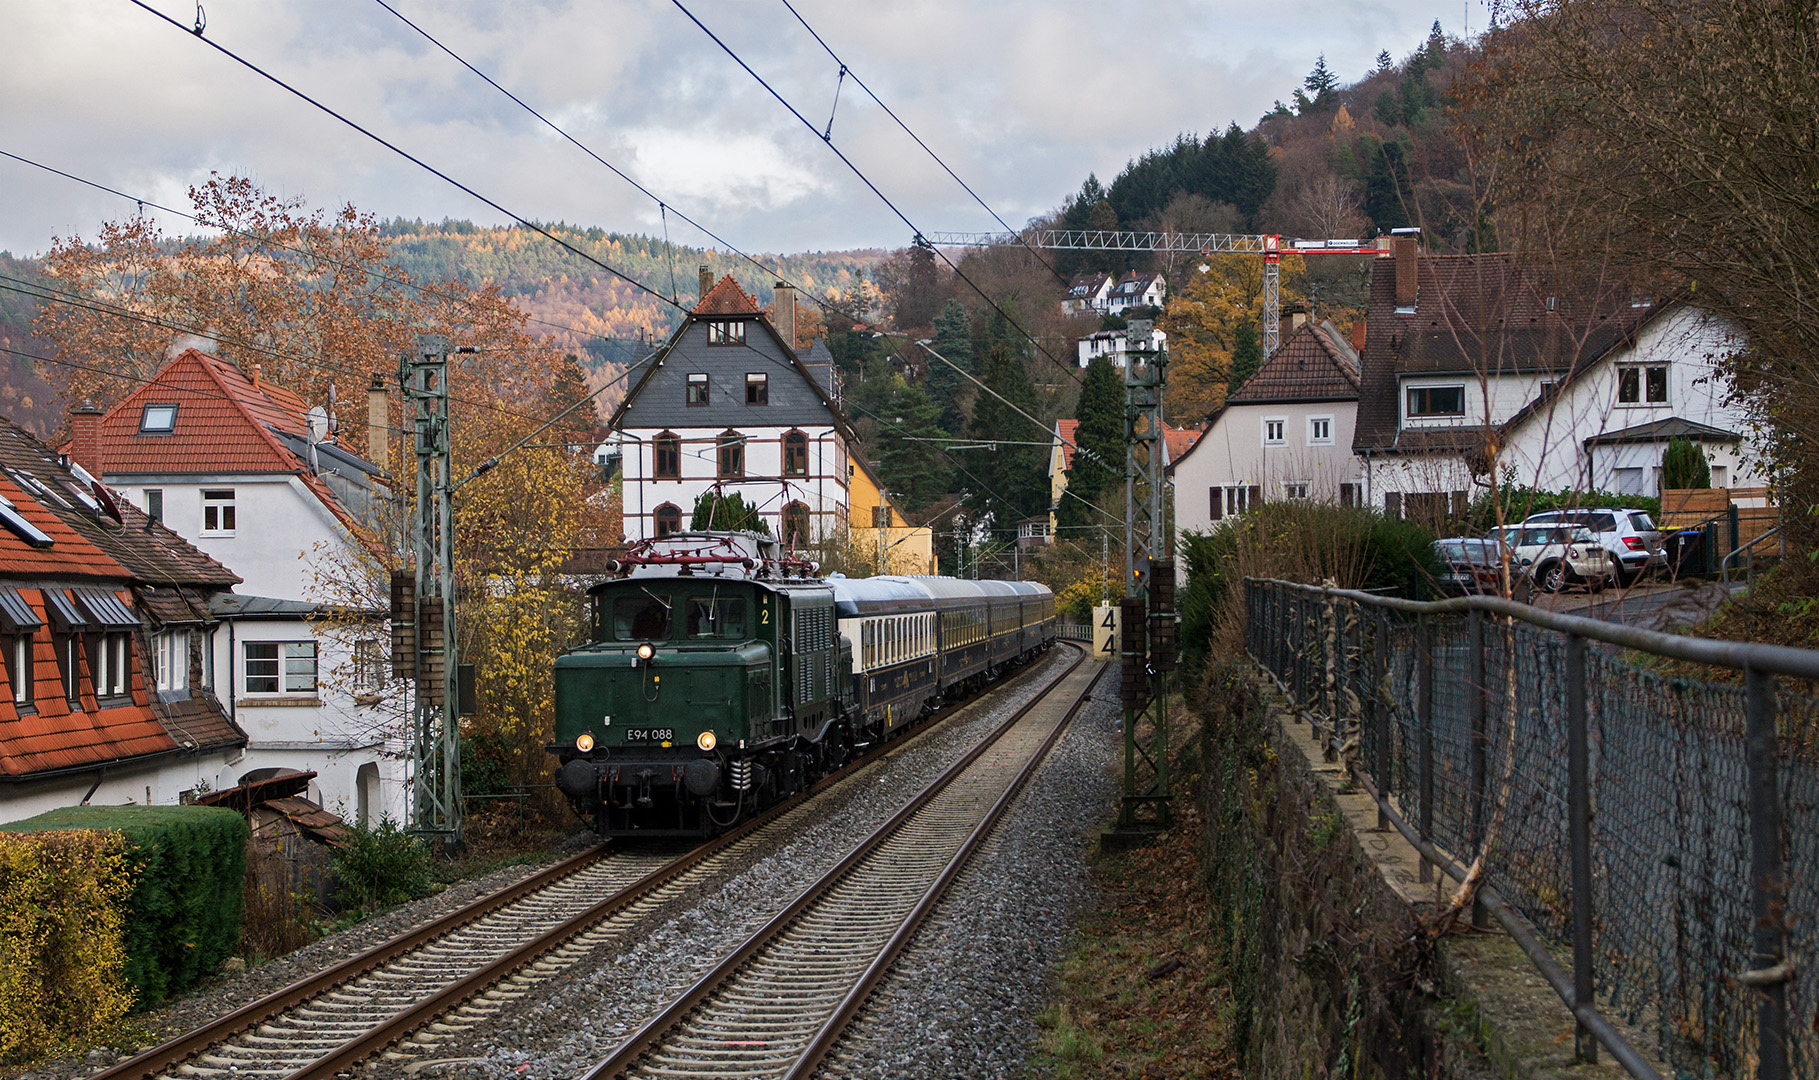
pixel 646 650
pixel 584 742
pixel 706 740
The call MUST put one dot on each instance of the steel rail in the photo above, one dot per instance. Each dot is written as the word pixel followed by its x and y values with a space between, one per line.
pixel 156 1060
pixel 151 1062
pixel 652 1031
pixel 824 1040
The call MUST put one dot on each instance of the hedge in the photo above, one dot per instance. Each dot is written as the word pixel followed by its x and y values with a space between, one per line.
pixel 187 865
pixel 62 937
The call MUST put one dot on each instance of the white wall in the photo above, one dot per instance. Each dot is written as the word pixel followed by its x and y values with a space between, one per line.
pixel 160 782
pixel 825 489
pixel 1233 453
pixel 326 732
pixel 278 523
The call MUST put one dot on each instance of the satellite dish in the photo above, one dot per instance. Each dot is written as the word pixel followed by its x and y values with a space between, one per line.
pixel 318 423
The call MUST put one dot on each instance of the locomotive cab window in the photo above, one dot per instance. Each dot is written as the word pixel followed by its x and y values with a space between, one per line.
pixel 710 617
pixel 644 617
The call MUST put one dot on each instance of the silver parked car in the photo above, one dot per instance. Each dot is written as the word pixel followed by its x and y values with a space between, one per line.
pixel 1629 535
pixel 1558 555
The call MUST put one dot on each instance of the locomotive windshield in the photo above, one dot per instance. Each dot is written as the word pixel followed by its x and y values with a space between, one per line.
pixel 711 617
pixel 641 617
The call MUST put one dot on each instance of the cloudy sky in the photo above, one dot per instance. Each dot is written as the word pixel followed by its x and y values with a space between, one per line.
pixel 1022 98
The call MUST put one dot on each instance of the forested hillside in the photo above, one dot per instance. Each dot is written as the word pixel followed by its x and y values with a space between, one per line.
pixel 591 310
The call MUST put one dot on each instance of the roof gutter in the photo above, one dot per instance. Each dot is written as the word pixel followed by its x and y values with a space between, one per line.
pixel 102 767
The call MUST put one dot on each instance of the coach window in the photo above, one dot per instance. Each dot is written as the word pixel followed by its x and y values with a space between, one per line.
pixel 795 453
pixel 666 455
pixel 669 520
pixel 757 388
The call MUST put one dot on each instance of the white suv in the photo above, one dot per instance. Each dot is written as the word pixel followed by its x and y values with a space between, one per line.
pixel 1558 555
pixel 1629 535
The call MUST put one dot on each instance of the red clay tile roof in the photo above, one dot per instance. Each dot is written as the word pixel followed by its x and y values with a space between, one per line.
pixel 88 544
pixel 221 424
pixel 727 298
pixel 1176 441
pixel 1316 363
pixel 1065 429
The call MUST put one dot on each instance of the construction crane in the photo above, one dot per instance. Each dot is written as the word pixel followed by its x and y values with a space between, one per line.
pixel 1269 245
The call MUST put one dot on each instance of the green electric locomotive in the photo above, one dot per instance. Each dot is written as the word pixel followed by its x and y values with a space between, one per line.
pixel 721 676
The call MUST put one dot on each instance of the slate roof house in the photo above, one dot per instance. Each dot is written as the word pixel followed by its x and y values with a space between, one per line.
pixel 1285 434
pixel 227 460
pixel 729 403
pixel 104 628
pixel 1570 386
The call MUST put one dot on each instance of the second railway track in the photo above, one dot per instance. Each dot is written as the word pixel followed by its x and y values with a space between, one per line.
pixel 778 1004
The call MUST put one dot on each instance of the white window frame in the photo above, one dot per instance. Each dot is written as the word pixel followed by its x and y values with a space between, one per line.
pixel 19 667
pixel 170 660
pixel 219 514
pixel 1642 400
pixel 1410 414
pixel 292 675
pixel 1279 437
pixel 1296 489
pixel 1313 437
pixel 109 665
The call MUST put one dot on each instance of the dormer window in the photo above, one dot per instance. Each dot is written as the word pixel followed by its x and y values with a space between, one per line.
pixel 726 333
pixel 158 420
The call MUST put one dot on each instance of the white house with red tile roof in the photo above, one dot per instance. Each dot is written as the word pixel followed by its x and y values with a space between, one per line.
pixel 226 459
pixel 103 636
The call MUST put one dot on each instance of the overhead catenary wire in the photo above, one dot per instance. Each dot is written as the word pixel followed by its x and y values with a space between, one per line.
pixel 141 203
pixel 846 72
pixel 866 180
pixel 663 207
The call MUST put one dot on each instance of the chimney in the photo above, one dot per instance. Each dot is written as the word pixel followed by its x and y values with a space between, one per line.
pixel 378 424
pixel 783 313
pixel 85 437
pixel 1407 245
pixel 707 280
pixel 258 370
pixel 1358 336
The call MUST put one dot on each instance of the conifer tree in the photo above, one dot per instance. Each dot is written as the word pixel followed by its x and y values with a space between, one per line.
pixel 723 513
pixel 1015 471
pixel 954 340
pixel 1100 439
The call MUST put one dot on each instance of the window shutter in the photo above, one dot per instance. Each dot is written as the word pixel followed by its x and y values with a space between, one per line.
pixel 1458 505
pixel 1255 499
pixel 1348 494
pixel 1392 504
pixel 1213 499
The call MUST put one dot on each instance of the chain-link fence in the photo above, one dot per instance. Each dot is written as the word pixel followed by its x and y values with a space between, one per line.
pixel 1697 801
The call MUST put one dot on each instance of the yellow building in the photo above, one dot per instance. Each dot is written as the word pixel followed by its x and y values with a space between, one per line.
pixel 877 525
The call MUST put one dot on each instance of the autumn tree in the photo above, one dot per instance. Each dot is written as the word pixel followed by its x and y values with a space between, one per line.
pixel 913 285
pixel 1673 139
pixel 1204 318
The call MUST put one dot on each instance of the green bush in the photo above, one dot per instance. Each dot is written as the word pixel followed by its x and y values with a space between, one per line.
pixel 187 865
pixel 380 866
pixel 1308 542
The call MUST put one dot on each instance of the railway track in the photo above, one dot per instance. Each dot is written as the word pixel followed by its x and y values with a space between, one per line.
pixel 777 1005
pixel 327 1023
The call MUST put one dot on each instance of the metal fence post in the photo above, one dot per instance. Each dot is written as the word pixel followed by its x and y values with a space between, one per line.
pixel 1768 876
pixel 1475 764
pixel 1425 719
pixel 1380 714
pixel 1579 825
